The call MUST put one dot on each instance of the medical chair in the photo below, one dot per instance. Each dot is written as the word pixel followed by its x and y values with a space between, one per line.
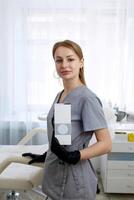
pixel 15 173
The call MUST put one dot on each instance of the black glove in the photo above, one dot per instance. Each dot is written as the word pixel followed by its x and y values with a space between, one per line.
pixel 69 157
pixel 35 157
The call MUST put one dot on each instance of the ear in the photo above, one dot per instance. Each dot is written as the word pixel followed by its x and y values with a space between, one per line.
pixel 82 63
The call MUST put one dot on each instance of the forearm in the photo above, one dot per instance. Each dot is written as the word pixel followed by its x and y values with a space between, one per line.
pixel 96 149
pixel 102 146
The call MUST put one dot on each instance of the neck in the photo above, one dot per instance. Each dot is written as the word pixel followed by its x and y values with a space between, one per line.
pixel 69 85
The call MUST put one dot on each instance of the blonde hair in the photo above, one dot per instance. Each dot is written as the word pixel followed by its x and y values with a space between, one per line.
pixel 77 49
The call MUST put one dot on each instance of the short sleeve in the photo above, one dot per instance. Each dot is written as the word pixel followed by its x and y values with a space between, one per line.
pixel 92 115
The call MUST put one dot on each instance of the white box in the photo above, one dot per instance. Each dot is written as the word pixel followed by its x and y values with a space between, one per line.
pixel 62 123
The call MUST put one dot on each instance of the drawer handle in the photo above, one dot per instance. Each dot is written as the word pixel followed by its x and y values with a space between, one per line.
pixel 131 166
pixel 130 186
pixel 130 175
pixel 131 148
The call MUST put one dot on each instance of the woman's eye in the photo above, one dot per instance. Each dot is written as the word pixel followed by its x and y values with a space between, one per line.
pixel 70 59
pixel 58 61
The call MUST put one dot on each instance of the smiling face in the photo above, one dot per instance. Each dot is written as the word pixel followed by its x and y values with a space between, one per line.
pixel 67 63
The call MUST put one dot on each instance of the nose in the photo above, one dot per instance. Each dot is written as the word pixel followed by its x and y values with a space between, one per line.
pixel 64 64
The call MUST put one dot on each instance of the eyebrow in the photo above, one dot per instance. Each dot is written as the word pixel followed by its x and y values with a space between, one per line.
pixel 69 56
pixel 66 56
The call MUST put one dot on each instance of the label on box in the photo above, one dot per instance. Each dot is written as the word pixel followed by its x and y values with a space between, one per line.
pixel 120 136
pixel 62 122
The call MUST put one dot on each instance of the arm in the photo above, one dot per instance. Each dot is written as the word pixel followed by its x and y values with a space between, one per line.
pixel 102 146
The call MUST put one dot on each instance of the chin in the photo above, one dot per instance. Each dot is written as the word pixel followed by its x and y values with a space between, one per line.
pixel 66 77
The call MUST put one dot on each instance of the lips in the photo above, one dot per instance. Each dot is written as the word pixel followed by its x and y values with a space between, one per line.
pixel 65 72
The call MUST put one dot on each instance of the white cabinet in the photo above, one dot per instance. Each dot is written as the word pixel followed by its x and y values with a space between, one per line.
pixel 117 168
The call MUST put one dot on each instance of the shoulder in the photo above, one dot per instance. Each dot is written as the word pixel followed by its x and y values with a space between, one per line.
pixel 88 95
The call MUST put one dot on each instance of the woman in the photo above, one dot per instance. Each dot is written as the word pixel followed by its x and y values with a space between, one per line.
pixel 68 173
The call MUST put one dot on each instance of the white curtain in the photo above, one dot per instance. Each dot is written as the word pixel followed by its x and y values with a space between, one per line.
pixel 28 29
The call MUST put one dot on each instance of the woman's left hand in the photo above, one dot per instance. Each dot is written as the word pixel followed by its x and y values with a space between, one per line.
pixel 71 157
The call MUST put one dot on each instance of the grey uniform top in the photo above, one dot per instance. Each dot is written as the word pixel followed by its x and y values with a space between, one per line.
pixel 64 181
